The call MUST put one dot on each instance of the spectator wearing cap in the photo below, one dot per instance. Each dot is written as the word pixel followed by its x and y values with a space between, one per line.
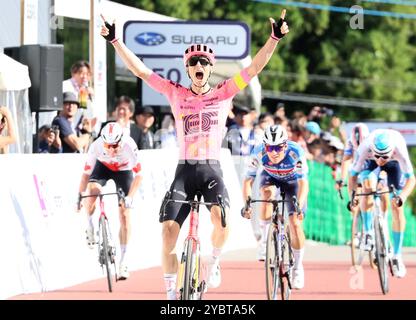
pixel 72 141
pixel 241 137
pixel 49 141
pixel 311 135
pixel 145 118
pixel 123 114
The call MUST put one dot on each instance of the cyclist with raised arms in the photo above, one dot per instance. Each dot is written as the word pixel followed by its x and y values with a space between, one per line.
pixel 113 155
pixel 284 166
pixel 386 149
pixel 200 113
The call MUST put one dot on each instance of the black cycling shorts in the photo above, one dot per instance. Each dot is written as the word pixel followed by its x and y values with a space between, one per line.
pixel 101 174
pixel 290 188
pixel 191 178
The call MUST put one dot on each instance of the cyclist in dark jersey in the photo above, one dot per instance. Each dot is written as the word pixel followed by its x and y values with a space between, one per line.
pixel 200 114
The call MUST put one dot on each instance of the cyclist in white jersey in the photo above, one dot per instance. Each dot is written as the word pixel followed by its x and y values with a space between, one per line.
pixel 386 148
pixel 113 155
pixel 200 114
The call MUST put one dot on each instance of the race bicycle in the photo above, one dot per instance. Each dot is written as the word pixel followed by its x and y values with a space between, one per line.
pixel 191 278
pixel 279 254
pixel 382 246
pixel 357 236
pixel 106 246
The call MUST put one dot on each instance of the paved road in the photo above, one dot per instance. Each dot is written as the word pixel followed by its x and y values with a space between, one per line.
pixel 328 276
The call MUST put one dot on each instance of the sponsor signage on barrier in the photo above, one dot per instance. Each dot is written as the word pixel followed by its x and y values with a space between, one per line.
pixel 407 129
pixel 229 39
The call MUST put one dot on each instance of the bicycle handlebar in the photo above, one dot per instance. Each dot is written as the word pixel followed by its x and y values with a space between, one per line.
pixel 294 200
pixel 120 195
pixel 194 203
pixel 392 189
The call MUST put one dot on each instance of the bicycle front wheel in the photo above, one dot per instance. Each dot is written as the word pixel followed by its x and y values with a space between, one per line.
pixel 104 250
pixel 357 240
pixel 381 256
pixel 191 282
pixel 272 264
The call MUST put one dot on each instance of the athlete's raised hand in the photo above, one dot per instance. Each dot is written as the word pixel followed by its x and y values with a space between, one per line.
pixel 279 28
pixel 108 31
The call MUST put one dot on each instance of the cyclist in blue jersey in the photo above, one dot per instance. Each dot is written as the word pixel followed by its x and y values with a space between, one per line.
pixel 386 149
pixel 284 166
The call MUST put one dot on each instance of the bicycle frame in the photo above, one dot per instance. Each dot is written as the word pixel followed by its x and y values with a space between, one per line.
pixel 189 271
pixel 279 259
pixel 106 253
pixel 381 237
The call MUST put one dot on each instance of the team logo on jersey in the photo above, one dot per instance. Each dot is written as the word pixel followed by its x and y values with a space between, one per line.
pixel 293 155
pixel 150 38
pixel 191 123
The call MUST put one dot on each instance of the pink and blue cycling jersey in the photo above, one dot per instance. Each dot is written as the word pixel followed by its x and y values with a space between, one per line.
pixel 200 119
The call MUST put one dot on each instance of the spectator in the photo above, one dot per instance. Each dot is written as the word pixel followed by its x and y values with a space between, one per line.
pixel 6 124
pixel 72 141
pixel 265 120
pixel 166 136
pixel 49 140
pixel 123 114
pixel 79 85
pixel 145 117
pixel 311 135
pixel 279 113
pixel 296 135
pixel 300 118
pixel 336 129
pixel 241 138
pixel 317 113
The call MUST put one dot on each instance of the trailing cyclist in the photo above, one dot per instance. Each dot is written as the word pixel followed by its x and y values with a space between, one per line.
pixel 358 133
pixel 200 113
pixel 386 149
pixel 113 155
pixel 284 166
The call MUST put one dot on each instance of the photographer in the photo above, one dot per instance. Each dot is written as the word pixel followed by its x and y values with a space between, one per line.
pixel 49 140
pixel 6 125
pixel 317 113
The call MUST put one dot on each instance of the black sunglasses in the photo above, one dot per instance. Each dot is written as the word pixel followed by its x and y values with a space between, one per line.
pixel 202 60
pixel 377 156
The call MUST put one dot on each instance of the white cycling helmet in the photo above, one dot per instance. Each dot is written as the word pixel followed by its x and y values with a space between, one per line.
pixel 274 135
pixel 358 134
pixel 112 133
pixel 382 144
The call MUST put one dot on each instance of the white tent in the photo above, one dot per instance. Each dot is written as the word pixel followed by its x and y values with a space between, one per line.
pixel 14 94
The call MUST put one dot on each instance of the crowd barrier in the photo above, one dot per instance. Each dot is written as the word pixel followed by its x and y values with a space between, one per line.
pixel 42 238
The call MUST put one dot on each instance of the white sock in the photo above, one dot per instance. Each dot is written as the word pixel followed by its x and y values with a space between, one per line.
pixel 216 252
pixel 123 249
pixel 90 222
pixel 170 281
pixel 298 255
pixel 263 224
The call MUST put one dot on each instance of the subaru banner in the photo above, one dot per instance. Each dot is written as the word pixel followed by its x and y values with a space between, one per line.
pixel 169 39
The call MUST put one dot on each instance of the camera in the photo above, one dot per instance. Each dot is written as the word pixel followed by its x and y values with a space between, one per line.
pixel 55 129
pixel 327 111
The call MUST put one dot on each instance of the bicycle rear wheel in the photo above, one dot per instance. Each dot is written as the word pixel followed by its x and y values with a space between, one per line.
pixel 105 258
pixel 191 288
pixel 381 256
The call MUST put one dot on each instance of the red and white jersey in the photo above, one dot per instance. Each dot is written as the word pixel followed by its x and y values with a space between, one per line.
pixel 127 158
